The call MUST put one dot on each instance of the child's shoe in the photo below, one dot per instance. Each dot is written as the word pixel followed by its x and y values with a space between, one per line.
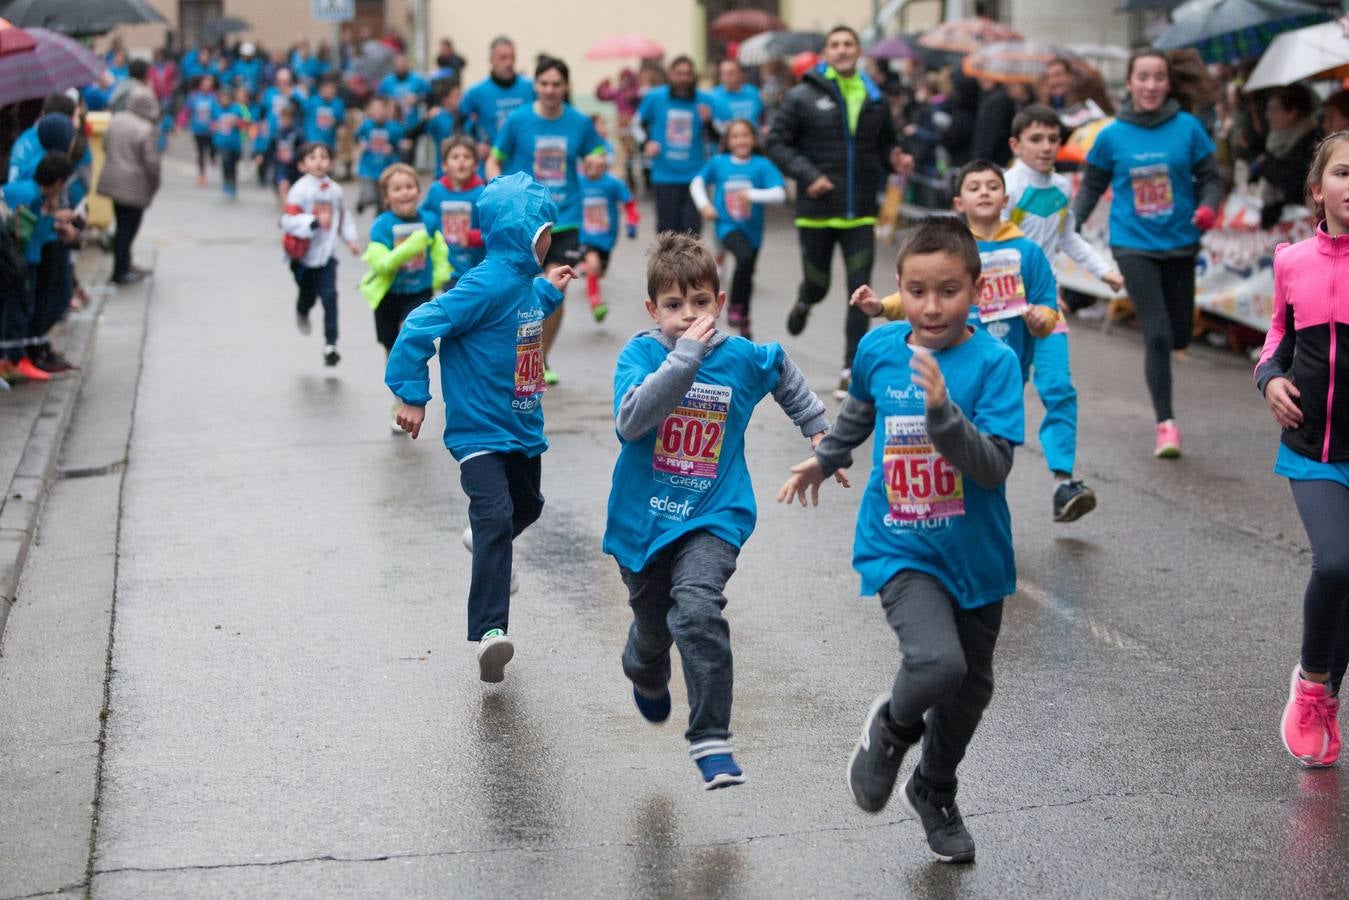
pixel 494 651
pixel 947 835
pixel 9 373
pixel 1168 440
pixel 736 317
pixel 1072 501
pixel 874 764
pixel 716 765
pixel 1308 718
pixel 844 382
pixel 653 709
pixel 330 355
pixel 549 376
pixel 28 370
pixel 302 323
pixel 1333 731
pixel 201 179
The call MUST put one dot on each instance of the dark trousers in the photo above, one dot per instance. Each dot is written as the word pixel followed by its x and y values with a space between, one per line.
pixel 54 285
pixel 1324 508
pixel 318 284
pixel 128 223
pixel 229 169
pixel 946 674
pixel 678 598
pixel 817 254
pixel 1162 292
pixel 675 210
pixel 16 312
pixel 205 151
pixel 391 312
pixel 742 281
pixel 503 500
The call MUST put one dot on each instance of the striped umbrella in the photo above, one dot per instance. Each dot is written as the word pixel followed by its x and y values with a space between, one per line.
pixel 967 35
pixel 55 64
pixel 1012 62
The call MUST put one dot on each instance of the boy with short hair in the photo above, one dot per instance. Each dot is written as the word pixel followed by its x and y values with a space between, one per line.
pixel 376 149
pixel 934 535
pixel 313 220
pixel 490 328
pixel 601 196
pixel 682 504
pixel 452 200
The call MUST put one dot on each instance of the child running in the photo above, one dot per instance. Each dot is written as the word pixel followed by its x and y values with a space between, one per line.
pixel 314 218
pixel 229 120
pixel 1304 381
pixel 407 257
pixel 934 535
pixel 744 181
pixel 490 329
pixel 284 140
pixel 1037 203
pixel 376 149
pixel 200 105
pixel 682 505
pixel 601 194
pixel 452 201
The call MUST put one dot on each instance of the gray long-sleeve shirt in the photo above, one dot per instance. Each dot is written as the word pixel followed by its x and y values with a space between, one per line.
pixel 647 404
pixel 985 459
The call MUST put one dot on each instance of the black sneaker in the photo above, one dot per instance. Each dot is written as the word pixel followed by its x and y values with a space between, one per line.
pixel 796 319
pixel 52 362
pixel 940 817
pixel 874 764
pixel 1072 501
pixel 330 355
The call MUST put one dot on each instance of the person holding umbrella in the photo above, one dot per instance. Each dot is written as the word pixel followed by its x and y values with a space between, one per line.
pixel 833 133
pixel 1160 162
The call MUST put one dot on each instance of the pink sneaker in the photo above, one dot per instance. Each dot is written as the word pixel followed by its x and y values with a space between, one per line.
pixel 1332 753
pixel 1308 719
pixel 1168 440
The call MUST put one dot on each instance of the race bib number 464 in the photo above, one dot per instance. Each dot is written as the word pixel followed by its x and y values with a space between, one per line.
pixel 1004 291
pixel 529 359
pixel 1152 191
pixel 920 484
pixel 688 443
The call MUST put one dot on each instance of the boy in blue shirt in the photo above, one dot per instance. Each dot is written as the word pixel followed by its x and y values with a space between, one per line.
pixel 670 125
pixel 490 330
pixel 377 141
pixel 681 504
pixel 323 114
pixel 601 195
pixel 452 202
pixel 934 535
pixel 229 119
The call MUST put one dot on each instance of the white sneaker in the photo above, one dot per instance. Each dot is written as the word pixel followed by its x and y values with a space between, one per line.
pixel 494 651
pixel 844 382
pixel 467 538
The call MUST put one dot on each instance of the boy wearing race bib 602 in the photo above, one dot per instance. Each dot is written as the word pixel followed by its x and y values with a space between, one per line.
pixel 934 535
pixel 682 504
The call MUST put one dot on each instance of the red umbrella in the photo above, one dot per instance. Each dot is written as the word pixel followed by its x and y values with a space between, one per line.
pixel 739 24
pixel 56 63
pixel 14 40
pixel 626 46
pixel 967 35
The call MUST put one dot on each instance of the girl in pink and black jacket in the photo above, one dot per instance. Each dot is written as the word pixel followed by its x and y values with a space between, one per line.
pixel 1304 375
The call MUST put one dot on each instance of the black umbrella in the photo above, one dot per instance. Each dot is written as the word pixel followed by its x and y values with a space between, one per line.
pixel 215 29
pixel 1132 5
pixel 82 18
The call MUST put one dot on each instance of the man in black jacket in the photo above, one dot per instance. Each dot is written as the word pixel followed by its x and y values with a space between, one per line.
pixel 833 134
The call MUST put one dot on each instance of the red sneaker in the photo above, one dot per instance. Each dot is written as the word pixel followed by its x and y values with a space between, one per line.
pixel 27 369
pixel 1306 723
pixel 1168 440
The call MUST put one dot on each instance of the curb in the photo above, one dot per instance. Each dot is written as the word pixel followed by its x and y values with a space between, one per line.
pixel 21 505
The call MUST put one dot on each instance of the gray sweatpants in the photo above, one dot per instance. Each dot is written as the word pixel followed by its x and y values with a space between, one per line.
pixel 946 675
pixel 678 598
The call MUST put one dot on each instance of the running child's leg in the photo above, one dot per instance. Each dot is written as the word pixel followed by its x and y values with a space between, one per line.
pixel 742 281
pixel 932 663
pixel 646 656
pixel 491 516
pixel 523 478
pixel 1324 508
pixel 326 288
pixel 700 568
pixel 594 264
pixel 203 152
pixel 304 280
pixel 1054 384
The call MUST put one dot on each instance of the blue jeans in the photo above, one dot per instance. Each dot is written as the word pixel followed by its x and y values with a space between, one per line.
pixel 318 284
pixel 1054 383
pixel 503 500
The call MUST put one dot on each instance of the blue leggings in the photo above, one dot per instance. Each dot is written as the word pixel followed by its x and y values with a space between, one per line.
pixel 1054 383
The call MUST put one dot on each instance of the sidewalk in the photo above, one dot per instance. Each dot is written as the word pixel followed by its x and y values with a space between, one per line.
pixel 33 421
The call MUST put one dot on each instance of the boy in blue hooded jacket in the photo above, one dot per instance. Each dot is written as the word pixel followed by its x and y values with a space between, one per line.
pixel 490 327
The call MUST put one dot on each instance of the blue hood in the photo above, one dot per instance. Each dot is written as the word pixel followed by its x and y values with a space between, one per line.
pixel 511 212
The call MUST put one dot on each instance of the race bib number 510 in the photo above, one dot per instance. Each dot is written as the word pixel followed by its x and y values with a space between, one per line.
pixel 920 484
pixel 1004 292
pixel 688 443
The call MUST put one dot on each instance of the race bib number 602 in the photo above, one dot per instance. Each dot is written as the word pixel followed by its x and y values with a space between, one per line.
pixel 688 443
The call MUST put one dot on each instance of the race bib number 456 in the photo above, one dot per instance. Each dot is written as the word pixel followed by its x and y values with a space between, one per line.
pixel 920 484
pixel 688 443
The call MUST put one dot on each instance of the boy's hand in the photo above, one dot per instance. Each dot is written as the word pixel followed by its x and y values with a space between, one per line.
pixel 1282 397
pixel 354 247
pixel 806 478
pixel 839 474
pixel 865 299
pixel 651 149
pixel 927 375
pixel 702 329
pixel 409 418
pixel 1115 280
pixel 560 277
pixel 1041 319
pixel 709 212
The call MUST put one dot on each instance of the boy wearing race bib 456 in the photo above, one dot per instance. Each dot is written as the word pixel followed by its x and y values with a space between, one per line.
pixel 682 504
pixel 934 535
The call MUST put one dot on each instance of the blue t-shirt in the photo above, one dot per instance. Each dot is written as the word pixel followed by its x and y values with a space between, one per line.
pixel 548 150
pixel 1152 174
pixel 245 71
pixel 600 200
pixel 488 105
pixel 24 156
pixel 1291 464
pixel 1015 273
pixel 728 181
pixel 390 229
pixel 677 126
pixel 200 109
pixel 273 101
pixel 407 92
pixel 25 193
pixel 688 474
pixel 96 97
pixel 918 512
pixel 456 215
pixel 227 126
pixel 322 118
pixel 381 147
pixel 743 104
pixel 438 128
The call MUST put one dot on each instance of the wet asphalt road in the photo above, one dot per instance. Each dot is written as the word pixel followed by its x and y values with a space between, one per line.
pixel 294 711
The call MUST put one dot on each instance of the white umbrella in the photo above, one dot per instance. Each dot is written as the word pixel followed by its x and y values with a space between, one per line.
pixel 1305 53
